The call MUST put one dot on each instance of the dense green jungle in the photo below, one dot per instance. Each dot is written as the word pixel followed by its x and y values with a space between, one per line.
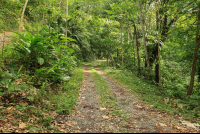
pixel 45 43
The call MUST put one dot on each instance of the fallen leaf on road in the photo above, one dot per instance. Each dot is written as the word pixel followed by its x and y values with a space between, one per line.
pixel 102 109
pixel 105 117
pixel 180 128
pixel 138 106
pixel 194 125
pixel 180 106
pixel 11 118
pixel 68 124
pixel 74 123
pixel 30 120
pixel 62 130
pixel 9 109
pixel 161 124
pixel 22 125
pixel 2 123
pixel 151 106
pixel 166 100
pixel 18 112
pixel 61 122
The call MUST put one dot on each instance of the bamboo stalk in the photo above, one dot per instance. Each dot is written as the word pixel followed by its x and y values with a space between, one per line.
pixel 3 40
pixel 144 40
pixel 158 50
pixel 66 19
pixel 22 15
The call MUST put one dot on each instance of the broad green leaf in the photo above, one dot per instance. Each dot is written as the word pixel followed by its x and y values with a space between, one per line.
pixel 65 78
pixel 40 61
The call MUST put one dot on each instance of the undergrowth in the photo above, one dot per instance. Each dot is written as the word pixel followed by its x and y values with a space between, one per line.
pixel 66 99
pixel 35 108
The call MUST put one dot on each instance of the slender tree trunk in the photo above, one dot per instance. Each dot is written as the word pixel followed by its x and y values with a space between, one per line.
pixel 43 16
pixel 108 52
pixel 3 40
pixel 144 40
pixel 133 36
pixel 66 19
pixel 189 92
pixel 128 33
pixel 43 19
pixel 134 49
pixel 60 4
pixel 117 55
pixel 107 56
pixel 157 67
pixel 198 69
pixel 137 46
pixel 122 42
pixel 22 16
pixel 149 22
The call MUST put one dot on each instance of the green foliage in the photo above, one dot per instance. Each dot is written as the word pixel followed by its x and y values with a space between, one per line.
pixel 9 10
pixel 66 99
pixel 42 57
pixel 6 82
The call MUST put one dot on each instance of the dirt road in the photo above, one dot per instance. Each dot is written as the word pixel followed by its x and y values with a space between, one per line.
pixel 90 116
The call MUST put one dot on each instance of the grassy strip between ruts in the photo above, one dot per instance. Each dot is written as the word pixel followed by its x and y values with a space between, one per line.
pixel 107 99
pixel 148 93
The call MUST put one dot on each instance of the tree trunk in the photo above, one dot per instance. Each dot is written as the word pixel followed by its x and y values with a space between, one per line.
pixel 199 70
pixel 128 33
pixel 133 36
pixel 164 33
pixel 22 16
pixel 137 46
pixel 43 16
pixel 122 42
pixel 189 92
pixel 157 66
pixel 66 19
pixel 117 55
pixel 3 40
pixel 107 57
pixel 144 40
